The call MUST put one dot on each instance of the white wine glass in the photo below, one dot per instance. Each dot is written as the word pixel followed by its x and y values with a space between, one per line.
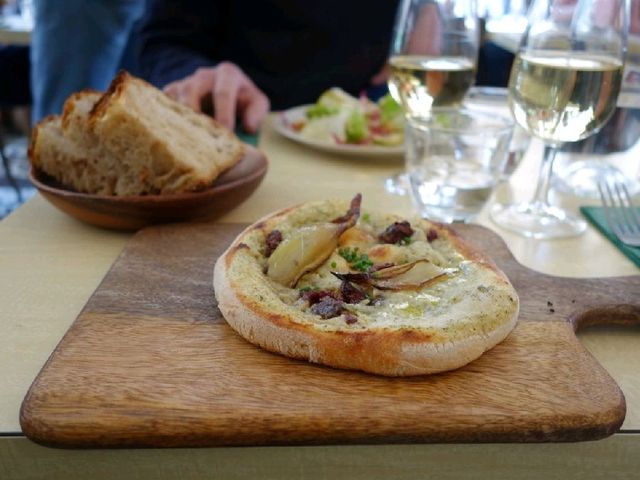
pixel 433 58
pixel 563 87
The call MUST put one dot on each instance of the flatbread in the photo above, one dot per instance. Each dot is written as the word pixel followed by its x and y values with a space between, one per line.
pixel 405 327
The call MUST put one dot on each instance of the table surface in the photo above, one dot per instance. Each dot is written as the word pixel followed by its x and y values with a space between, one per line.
pixel 50 264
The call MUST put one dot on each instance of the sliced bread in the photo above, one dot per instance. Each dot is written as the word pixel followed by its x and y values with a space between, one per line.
pixel 70 164
pixel 164 146
pixel 75 117
pixel 132 140
pixel 124 179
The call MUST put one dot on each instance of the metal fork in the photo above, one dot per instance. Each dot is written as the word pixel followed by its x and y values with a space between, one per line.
pixel 622 216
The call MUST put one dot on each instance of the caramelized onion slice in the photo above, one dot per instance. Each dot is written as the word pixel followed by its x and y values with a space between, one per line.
pixel 307 248
pixel 407 276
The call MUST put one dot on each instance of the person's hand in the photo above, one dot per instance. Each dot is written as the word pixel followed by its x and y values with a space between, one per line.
pixel 232 92
pixel 382 76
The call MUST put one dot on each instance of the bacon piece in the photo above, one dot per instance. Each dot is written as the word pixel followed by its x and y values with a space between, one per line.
pixel 432 235
pixel 328 307
pixel 350 318
pixel 273 240
pixel 360 278
pixel 396 232
pixel 314 296
pixel 350 293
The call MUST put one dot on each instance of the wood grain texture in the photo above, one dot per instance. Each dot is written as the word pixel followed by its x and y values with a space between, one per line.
pixel 151 362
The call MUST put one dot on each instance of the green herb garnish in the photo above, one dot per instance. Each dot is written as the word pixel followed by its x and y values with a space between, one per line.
pixel 366 217
pixel 405 241
pixel 357 261
pixel 308 288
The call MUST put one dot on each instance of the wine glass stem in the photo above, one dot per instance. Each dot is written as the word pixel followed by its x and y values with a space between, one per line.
pixel 541 195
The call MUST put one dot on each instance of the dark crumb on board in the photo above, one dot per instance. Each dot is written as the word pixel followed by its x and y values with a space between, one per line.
pixel 549 304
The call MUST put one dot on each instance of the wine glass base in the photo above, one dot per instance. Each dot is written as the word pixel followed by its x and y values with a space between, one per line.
pixel 538 221
pixel 581 178
pixel 398 184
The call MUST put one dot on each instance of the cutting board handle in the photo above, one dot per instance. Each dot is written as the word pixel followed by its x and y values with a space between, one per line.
pixel 580 301
pixel 621 306
pixel 606 315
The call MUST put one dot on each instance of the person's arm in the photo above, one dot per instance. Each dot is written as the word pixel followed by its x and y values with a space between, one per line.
pixel 177 37
pixel 76 44
pixel 634 21
pixel 178 52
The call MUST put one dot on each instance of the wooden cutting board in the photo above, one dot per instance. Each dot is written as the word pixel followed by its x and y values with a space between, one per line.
pixel 151 362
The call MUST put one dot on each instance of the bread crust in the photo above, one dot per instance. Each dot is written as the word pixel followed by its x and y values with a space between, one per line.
pixel 385 351
pixel 33 150
pixel 69 104
pixel 115 89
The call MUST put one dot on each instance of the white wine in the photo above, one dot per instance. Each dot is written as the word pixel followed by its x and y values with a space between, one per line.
pixel 562 98
pixel 419 83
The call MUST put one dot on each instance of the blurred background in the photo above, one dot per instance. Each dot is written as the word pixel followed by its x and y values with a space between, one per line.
pixel 52 48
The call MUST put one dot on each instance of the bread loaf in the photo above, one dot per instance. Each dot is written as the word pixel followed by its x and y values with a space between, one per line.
pixel 69 163
pixel 166 146
pixel 133 140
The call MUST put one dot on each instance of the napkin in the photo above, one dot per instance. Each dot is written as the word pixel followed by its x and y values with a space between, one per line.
pixel 596 216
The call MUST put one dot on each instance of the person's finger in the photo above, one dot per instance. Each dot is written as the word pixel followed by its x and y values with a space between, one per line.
pixel 381 77
pixel 187 94
pixel 228 80
pixel 255 106
pixel 171 89
pixel 192 89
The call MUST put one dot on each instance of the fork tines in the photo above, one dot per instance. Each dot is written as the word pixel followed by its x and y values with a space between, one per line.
pixel 623 218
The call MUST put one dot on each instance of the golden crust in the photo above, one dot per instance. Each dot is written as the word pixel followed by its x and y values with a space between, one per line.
pixel 115 89
pixel 33 150
pixel 245 301
pixel 69 104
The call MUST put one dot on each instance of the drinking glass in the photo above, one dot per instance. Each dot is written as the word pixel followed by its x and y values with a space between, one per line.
pixel 455 158
pixel 563 87
pixel 433 58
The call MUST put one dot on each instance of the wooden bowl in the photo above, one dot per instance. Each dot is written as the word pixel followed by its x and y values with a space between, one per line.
pixel 135 212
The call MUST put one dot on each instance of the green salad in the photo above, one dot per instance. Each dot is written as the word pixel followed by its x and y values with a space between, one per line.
pixel 343 119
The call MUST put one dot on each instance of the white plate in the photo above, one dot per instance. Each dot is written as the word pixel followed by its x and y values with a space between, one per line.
pixel 285 119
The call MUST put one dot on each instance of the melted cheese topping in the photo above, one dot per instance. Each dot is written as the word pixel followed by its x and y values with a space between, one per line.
pixel 470 299
pixel 431 306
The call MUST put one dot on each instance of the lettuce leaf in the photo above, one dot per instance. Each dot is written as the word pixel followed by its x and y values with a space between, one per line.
pixel 318 110
pixel 389 109
pixel 356 128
